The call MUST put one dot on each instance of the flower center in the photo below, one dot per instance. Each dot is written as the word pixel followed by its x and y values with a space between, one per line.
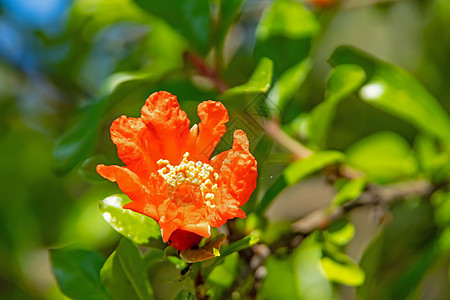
pixel 188 171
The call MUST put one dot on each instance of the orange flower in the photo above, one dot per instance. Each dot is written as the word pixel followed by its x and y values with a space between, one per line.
pixel 169 175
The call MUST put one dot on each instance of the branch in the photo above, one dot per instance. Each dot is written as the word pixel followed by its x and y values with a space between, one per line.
pixel 374 195
pixel 205 70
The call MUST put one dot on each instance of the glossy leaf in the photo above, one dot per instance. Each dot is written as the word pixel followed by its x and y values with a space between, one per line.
pixel 302 168
pixel 78 273
pixel 385 156
pixel 350 191
pixel 395 91
pixel 189 18
pixel 208 251
pixel 124 273
pixel 342 81
pixel 246 242
pixel 259 81
pixel 135 226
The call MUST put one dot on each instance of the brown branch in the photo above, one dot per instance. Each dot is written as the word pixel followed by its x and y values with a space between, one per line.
pixel 374 195
pixel 205 70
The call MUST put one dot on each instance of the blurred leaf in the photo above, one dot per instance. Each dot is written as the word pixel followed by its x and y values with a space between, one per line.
pixel 75 144
pixel 153 256
pixel 432 161
pixel 395 91
pixel 288 83
pixel 309 274
pixel 342 81
pixel 340 232
pixel 78 273
pixel 88 171
pixel 441 203
pixel 228 11
pixel 385 156
pixel 208 251
pixel 287 18
pixel 220 280
pixel 189 18
pixel 124 273
pixel 279 282
pixel 396 261
pixel 311 164
pixel 271 194
pixel 350 191
pixel 346 272
pixel 284 35
pixel 185 295
pixel 259 81
pixel 135 226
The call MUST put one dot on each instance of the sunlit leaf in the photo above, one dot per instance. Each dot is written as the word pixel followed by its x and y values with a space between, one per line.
pixel 135 226
pixel 385 156
pixel 259 81
pixel 340 232
pixel 342 81
pixel 208 251
pixel 246 242
pixel 124 274
pixel 347 272
pixel 395 91
pixel 189 18
pixel 311 164
pixel 78 273
pixel 350 191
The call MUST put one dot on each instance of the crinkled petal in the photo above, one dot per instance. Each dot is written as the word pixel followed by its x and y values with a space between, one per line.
pixel 126 133
pixel 167 126
pixel 239 169
pixel 213 116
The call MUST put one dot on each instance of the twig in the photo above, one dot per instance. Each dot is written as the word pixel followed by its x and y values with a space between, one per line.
pixel 205 70
pixel 375 195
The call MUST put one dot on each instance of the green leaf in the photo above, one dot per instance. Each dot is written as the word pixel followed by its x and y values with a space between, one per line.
pixel 185 295
pixel 288 83
pixel 342 81
pixel 76 144
pixel 228 11
pixel 311 164
pixel 284 34
pixel 191 19
pixel 309 274
pixel 287 18
pixel 271 194
pixel 340 232
pixel 343 272
pixel 395 91
pixel 124 273
pixel 279 282
pixel 350 191
pixel 78 273
pixel 246 242
pixel 385 156
pixel 259 81
pixel 135 226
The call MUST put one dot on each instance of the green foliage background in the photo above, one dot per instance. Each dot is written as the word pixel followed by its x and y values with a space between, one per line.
pixel 358 85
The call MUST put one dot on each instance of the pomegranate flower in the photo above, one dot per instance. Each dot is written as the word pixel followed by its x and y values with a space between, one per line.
pixel 169 175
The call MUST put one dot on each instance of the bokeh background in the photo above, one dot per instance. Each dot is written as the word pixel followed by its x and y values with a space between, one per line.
pixel 60 59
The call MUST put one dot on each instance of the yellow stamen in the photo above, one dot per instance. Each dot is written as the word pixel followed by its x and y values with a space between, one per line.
pixel 188 171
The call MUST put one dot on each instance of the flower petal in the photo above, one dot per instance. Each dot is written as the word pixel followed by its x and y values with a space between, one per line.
pixel 127 181
pixel 167 126
pixel 126 133
pixel 239 169
pixel 213 116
